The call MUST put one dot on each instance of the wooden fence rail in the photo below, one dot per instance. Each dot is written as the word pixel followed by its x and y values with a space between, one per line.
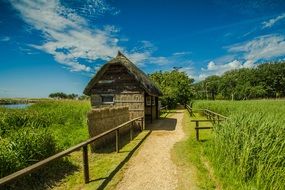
pixel 14 176
pixel 191 110
pixel 212 117
pixel 163 109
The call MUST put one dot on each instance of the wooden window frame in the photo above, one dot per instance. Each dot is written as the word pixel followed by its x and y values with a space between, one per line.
pixel 107 95
pixel 148 101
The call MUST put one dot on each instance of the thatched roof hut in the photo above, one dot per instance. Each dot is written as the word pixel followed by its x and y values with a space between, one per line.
pixel 139 75
pixel 120 82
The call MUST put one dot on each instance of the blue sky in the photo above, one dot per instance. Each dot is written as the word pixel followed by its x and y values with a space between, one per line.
pixel 57 45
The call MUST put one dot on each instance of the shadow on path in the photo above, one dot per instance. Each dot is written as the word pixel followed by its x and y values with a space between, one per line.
pixel 166 124
pixel 163 123
pixel 113 173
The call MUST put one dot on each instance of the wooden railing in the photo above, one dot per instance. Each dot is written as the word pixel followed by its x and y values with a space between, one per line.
pixel 14 176
pixel 212 117
pixel 215 117
pixel 163 109
pixel 191 110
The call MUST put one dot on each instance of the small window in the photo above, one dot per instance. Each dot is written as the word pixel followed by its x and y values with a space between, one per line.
pixel 107 99
pixel 148 100
pixel 105 81
pixel 153 101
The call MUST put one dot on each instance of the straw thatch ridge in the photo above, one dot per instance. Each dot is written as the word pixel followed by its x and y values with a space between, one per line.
pixel 139 75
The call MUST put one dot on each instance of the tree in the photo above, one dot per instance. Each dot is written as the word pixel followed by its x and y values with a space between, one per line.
pixel 266 80
pixel 61 95
pixel 175 85
pixel 211 84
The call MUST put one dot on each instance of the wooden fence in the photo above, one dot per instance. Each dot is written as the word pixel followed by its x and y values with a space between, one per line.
pixel 212 117
pixel 163 109
pixel 14 176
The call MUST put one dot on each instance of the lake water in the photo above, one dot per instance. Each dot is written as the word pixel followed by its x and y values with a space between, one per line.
pixel 16 106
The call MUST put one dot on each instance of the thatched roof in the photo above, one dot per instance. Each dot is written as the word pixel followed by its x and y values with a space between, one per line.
pixel 138 74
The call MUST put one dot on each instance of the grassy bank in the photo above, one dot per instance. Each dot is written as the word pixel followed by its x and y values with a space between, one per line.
pixel 248 150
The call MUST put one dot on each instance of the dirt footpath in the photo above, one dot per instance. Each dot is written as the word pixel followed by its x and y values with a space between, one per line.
pixel 152 167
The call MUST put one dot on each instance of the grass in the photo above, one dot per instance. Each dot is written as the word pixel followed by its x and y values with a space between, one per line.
pixel 188 155
pixel 167 113
pixel 248 150
pixel 37 132
pixel 32 134
pixel 105 169
pixel 45 128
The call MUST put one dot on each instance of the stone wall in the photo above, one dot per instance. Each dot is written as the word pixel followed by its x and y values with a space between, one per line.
pixel 104 119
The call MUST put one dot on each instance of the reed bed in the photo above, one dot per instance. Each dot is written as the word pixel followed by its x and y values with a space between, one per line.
pixel 248 150
pixel 41 130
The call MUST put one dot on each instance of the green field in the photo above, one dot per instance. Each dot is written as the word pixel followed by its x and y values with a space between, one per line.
pixel 248 150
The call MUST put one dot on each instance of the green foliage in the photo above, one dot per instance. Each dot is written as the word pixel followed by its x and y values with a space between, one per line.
pixel 175 86
pixel 265 81
pixel 248 150
pixel 24 147
pixel 29 135
pixel 61 95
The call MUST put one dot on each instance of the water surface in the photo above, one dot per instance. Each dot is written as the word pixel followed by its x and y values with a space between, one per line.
pixel 16 106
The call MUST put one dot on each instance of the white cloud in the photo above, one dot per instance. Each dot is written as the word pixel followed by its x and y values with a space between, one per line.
pixel 161 60
pixel 5 39
pixel 271 22
pixel 190 71
pixel 138 57
pixel 145 58
pixel 224 58
pixel 69 38
pixel 181 53
pixel 264 47
pixel 143 55
pixel 251 52
pixel 219 69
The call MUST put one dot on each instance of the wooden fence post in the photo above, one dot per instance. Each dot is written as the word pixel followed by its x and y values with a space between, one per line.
pixel 143 124
pixel 191 112
pixel 117 141
pixel 131 131
pixel 197 130
pixel 85 164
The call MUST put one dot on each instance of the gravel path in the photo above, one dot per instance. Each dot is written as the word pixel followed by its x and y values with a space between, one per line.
pixel 152 167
